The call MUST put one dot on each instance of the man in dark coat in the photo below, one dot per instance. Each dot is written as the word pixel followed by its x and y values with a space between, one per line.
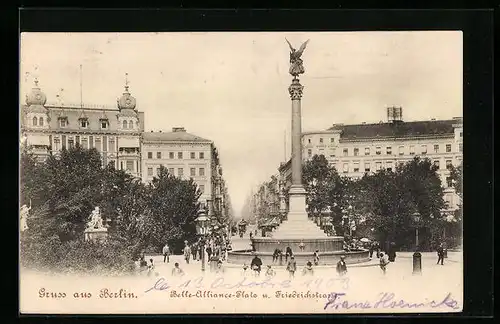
pixel 341 266
pixel 256 265
pixel 440 252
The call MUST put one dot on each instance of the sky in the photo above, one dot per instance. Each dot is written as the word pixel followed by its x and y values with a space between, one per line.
pixel 232 88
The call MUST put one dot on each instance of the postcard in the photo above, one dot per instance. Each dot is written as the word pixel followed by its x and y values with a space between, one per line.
pixel 241 173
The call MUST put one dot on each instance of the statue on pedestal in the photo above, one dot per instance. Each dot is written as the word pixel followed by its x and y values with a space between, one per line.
pixel 296 63
pixel 23 217
pixel 95 220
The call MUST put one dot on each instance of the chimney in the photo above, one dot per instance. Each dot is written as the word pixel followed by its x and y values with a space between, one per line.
pixel 160 131
pixel 394 114
pixel 433 119
pixel 363 123
pixel 178 129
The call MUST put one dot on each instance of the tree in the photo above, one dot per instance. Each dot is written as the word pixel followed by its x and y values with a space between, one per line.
pixel 318 180
pixel 173 210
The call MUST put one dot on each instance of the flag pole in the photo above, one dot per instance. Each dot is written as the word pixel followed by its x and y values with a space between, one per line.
pixel 81 86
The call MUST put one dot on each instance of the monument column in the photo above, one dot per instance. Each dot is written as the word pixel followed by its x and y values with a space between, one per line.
pixel 297 207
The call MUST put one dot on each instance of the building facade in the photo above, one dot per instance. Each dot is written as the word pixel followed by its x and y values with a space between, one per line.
pixel 187 156
pixel 357 149
pixel 115 133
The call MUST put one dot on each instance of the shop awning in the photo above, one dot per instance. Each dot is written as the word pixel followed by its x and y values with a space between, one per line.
pixel 38 140
pixel 128 142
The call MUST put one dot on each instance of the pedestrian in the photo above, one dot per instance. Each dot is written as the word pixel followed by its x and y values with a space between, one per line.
pixel 151 267
pixel 270 273
pixel 392 252
pixel 280 257
pixel 251 235
pixel 372 248
pixel 288 253
pixel 201 247
pixel 244 272
pixel 187 253
pixel 302 246
pixel 256 265
pixel 383 262
pixel 209 251
pixel 308 269
pixel 220 268
pixel 166 253
pixel 377 249
pixel 177 271
pixel 275 255
pixel 341 266
pixel 291 267
pixel 440 253
pixel 316 257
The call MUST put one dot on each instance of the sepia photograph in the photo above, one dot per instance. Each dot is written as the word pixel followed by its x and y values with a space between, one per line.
pixel 241 172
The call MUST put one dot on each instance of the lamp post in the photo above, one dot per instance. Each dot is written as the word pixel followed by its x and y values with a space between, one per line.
pixel 417 257
pixel 201 229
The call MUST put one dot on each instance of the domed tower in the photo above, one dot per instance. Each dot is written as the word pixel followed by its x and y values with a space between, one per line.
pixel 35 124
pixel 127 118
pixel 37 115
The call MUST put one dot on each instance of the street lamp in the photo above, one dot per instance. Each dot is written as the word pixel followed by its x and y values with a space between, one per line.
pixel 201 229
pixel 417 257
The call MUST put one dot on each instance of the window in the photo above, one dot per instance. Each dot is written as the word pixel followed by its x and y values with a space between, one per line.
pixel 378 150
pixel 170 155
pixel 202 188
pixel 436 148
pixel 158 155
pixel 112 144
pixel 130 165
pixel 40 121
pixel 309 140
pixel 388 150
pixel 104 124
pixel 356 151
pixel 150 155
pixel 130 124
pixel 367 151
pixel 124 124
pixel 309 152
pixel 171 171
pixel 98 143
pixel 448 148
pixel 346 167
pixel 77 140
pixel 460 147
pixel 35 121
pixel 461 134
pixel 57 144
pixel 179 155
pixel 91 142
pixel 158 171
pixel 192 172
pixel 424 149
pixel 193 155
pixel 105 143
pixel 84 123
pixel 378 166
pixel 332 140
pixel 63 140
pixel 180 172
pixel 71 143
pixel 449 182
pixel 150 171
pixel 436 163
pixel 449 164
pixel 356 167
pixel 321 140
pixel 412 149
pixel 112 164
pixel 389 166
pixel 63 122
pixel 322 152
pixel 367 166
pixel 345 152
pixel 202 155
pixel 202 172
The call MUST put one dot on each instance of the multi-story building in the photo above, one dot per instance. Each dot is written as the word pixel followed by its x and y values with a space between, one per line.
pixel 187 156
pixel 357 149
pixel 114 132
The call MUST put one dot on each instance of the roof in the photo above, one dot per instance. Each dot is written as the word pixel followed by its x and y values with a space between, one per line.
pixel 172 137
pixel 74 113
pixel 398 129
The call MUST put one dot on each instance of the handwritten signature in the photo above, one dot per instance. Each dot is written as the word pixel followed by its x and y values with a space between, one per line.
pixel 337 300
pixel 163 284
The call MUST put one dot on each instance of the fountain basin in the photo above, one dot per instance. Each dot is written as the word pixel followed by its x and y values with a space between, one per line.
pixel 325 258
pixel 323 244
